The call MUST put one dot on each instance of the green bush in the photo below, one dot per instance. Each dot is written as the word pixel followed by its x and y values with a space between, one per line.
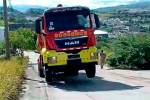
pixel 132 51
pixel 102 42
pixel 1 22
pixel 1 48
pixel 23 38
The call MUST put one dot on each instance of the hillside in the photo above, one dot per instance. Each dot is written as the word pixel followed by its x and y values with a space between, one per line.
pixel 26 13
pixel 24 8
pixel 17 16
pixel 136 6
pixel 34 12
pixel 12 12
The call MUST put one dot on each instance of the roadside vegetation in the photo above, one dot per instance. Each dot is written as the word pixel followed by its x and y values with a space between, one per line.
pixel 128 52
pixel 23 39
pixel 1 47
pixel 13 70
pixel 11 77
pixel 1 23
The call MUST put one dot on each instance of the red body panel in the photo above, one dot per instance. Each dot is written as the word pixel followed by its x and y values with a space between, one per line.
pixel 51 36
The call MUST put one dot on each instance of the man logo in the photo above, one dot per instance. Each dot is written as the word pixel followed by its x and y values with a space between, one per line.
pixel 72 43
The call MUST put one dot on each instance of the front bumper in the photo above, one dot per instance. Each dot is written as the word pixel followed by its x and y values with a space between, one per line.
pixel 53 58
pixel 62 68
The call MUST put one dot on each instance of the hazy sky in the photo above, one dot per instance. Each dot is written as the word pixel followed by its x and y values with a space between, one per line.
pixel 89 3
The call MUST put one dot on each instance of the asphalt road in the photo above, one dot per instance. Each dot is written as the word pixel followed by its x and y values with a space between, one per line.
pixel 107 85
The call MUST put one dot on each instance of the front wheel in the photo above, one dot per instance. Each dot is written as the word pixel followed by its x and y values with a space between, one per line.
pixel 40 70
pixel 41 73
pixel 48 75
pixel 90 70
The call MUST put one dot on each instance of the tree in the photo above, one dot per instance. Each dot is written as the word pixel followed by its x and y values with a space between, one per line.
pixel 23 39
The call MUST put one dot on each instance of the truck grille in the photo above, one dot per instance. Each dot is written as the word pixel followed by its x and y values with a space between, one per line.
pixel 73 56
pixel 71 42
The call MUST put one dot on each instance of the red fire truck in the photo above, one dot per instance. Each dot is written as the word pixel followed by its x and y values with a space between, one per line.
pixel 66 41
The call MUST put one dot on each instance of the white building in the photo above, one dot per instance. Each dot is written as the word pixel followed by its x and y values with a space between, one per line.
pixel 101 34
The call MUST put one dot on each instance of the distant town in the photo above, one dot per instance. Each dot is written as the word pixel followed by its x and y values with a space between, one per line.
pixel 126 21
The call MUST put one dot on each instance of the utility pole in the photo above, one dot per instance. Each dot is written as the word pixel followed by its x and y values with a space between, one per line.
pixel 7 44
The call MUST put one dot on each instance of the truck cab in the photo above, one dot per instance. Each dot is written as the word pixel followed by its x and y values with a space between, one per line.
pixel 66 41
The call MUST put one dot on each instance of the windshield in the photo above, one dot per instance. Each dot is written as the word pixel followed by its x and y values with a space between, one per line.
pixel 66 21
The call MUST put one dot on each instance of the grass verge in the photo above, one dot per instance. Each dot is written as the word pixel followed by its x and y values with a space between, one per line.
pixel 11 77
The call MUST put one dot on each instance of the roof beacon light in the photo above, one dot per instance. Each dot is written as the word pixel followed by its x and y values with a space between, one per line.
pixel 60 5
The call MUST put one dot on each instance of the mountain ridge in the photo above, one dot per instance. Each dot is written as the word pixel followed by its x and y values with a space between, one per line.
pixel 140 5
pixel 24 8
pixel 134 6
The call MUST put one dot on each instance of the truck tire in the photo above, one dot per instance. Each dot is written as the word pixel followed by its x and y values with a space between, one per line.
pixel 48 75
pixel 40 71
pixel 90 70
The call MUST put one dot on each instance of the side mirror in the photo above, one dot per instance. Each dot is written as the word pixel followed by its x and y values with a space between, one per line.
pixel 38 26
pixel 97 22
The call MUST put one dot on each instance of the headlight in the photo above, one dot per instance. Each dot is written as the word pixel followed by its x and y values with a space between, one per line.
pixel 43 51
pixel 94 56
pixel 52 60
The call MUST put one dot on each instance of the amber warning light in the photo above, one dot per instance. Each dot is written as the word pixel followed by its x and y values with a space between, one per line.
pixel 70 34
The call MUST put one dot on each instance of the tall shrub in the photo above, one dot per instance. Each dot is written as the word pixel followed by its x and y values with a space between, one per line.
pixel 132 51
pixel 23 38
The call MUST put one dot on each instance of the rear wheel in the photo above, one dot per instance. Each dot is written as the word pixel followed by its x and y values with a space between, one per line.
pixel 90 70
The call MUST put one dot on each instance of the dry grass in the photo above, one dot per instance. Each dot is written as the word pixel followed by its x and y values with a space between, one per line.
pixel 11 75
